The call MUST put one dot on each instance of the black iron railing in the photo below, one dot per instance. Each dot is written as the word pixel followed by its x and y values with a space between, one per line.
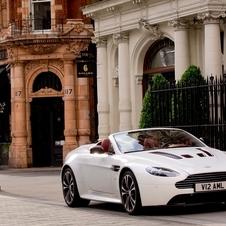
pixel 28 26
pixel 201 109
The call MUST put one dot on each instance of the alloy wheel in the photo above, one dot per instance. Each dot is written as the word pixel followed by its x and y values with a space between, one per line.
pixel 130 193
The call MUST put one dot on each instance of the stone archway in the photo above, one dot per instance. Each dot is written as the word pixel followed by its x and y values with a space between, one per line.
pixel 47 121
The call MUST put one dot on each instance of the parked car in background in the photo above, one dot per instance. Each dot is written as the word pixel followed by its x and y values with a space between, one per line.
pixel 145 167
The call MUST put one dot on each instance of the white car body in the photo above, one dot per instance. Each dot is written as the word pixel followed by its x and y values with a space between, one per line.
pixel 98 175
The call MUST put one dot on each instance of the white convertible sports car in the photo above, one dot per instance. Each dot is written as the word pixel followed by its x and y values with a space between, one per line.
pixel 145 167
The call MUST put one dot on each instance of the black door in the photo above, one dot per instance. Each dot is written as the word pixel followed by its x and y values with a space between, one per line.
pixel 47 125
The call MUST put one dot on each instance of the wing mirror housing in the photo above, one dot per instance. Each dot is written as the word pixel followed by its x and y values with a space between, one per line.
pixel 97 149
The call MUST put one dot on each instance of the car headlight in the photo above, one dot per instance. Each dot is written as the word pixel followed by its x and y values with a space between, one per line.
pixel 162 172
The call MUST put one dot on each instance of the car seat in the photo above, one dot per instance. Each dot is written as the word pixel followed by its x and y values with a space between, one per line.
pixel 105 144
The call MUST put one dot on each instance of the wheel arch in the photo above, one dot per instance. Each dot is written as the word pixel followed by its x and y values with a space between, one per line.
pixel 120 178
pixel 63 169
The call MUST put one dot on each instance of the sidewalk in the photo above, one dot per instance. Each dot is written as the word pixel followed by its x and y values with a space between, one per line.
pixel 4 168
pixel 36 183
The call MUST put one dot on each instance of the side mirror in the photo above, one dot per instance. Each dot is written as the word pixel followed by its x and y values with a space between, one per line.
pixel 97 149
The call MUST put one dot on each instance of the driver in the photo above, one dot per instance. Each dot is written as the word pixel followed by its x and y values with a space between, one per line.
pixel 151 142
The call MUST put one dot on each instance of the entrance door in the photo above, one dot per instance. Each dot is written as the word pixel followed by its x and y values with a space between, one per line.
pixel 47 125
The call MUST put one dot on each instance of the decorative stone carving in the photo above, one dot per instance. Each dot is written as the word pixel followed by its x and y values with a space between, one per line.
pixel 180 23
pixel 99 41
pixel 40 49
pixel 77 46
pixel 120 37
pixel 112 9
pixel 10 51
pixel 76 29
pixel 210 17
pixel 46 92
pixel 138 1
pixel 115 76
pixel 44 64
pixel 153 30
pixel 139 79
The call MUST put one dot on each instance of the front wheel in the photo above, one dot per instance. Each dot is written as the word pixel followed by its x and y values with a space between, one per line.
pixel 70 190
pixel 130 193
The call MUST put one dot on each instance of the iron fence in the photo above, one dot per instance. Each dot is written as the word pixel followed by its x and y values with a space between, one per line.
pixel 42 26
pixel 200 109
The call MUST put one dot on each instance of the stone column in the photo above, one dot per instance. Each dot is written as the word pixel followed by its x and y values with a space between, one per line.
pixel 83 111
pixel 199 44
pixel 224 60
pixel 18 149
pixel 12 121
pixel 102 88
pixel 182 49
pixel 213 59
pixel 70 131
pixel 125 109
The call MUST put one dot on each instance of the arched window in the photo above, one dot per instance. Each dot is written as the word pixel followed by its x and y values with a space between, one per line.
pixel 159 59
pixel 47 80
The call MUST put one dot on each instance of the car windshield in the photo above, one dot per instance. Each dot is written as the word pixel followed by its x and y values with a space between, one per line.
pixel 142 140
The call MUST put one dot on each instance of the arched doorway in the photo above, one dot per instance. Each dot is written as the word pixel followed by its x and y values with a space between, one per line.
pixel 159 59
pixel 47 123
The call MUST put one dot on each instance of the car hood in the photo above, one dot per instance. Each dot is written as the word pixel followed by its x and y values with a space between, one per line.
pixel 189 159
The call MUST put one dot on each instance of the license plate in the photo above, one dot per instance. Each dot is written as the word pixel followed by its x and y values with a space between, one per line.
pixel 210 186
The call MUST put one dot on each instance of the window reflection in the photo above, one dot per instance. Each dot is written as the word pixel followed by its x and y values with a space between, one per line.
pixel 42 17
pixel 164 57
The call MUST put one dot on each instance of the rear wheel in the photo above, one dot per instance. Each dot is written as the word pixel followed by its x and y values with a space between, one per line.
pixel 130 193
pixel 70 190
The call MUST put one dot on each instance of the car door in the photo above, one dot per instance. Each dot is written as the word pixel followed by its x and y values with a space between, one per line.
pixel 97 172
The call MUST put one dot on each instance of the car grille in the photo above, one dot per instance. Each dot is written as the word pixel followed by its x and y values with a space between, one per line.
pixel 191 180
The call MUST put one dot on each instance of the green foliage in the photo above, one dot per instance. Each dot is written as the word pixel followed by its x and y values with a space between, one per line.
pixel 6 149
pixel 192 77
pixel 153 102
pixel 190 105
pixel 146 110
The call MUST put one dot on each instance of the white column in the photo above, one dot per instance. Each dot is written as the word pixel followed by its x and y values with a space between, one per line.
pixel 102 88
pixel 124 81
pixel 199 44
pixel 213 59
pixel 224 46
pixel 182 50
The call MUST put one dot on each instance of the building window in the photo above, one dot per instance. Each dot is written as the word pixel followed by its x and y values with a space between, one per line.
pixel 47 80
pixel 41 11
pixel 159 59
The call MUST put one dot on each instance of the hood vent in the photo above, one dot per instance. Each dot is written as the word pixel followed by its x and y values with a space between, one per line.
pixel 187 156
pixel 205 151
pixel 166 154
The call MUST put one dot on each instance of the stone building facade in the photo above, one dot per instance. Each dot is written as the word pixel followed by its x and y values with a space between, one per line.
pixel 42 44
pixel 138 38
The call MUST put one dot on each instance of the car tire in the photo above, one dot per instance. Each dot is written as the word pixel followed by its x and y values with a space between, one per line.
pixel 130 194
pixel 70 190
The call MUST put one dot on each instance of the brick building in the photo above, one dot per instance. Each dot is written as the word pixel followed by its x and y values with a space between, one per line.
pixel 47 80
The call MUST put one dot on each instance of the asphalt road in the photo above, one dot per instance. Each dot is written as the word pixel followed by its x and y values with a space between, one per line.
pixel 34 197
